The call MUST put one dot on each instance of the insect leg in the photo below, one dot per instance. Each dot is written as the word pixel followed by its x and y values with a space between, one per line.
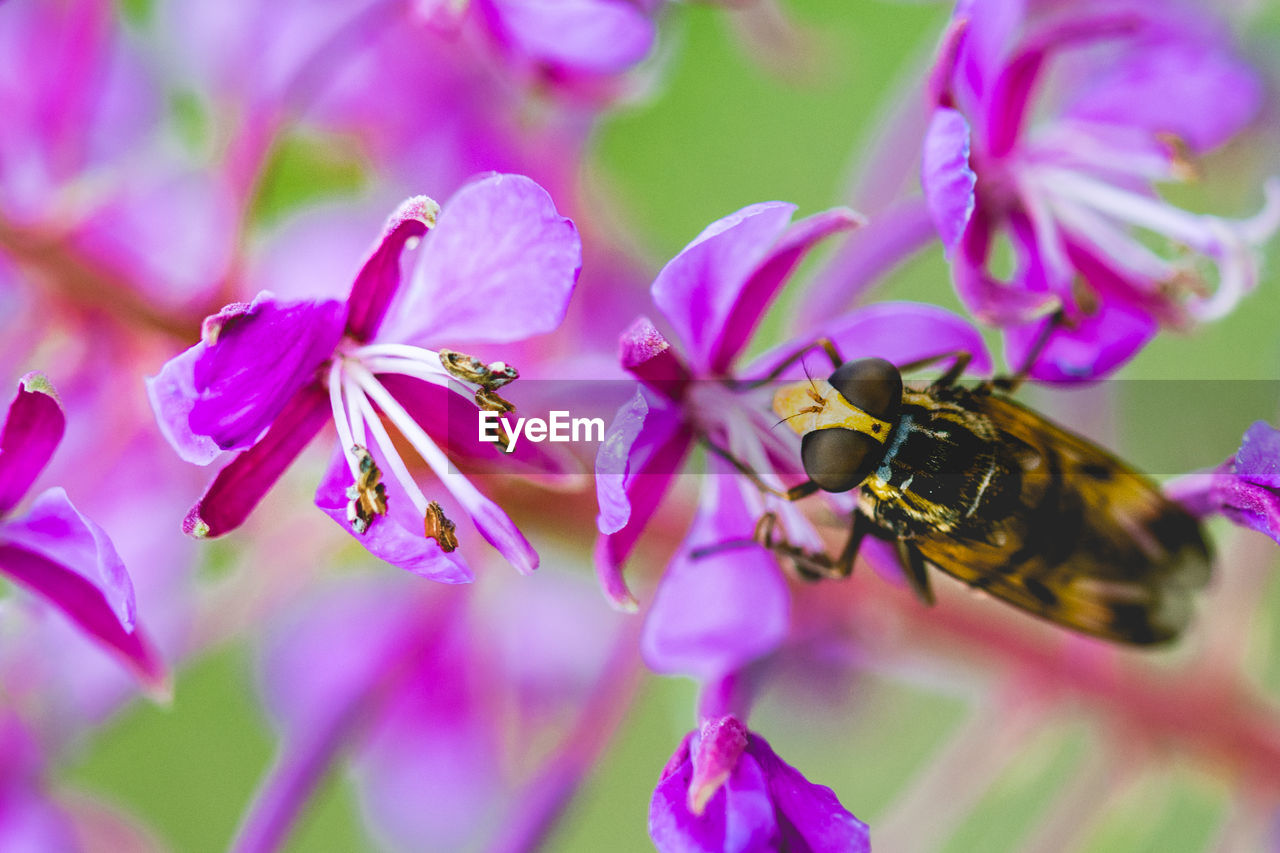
pixel 914 568
pixel 815 565
pixel 858 529
pixel 960 361
pixel 763 536
pixel 1009 384
pixel 825 344
pixel 794 493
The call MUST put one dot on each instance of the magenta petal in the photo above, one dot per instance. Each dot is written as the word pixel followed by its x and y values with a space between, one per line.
pixel 31 431
pixel 1025 299
pixel 720 746
pixel 764 283
pixel 1094 346
pixel 1186 87
pixel 173 394
pixel 1248 505
pixel 698 289
pixel 897 331
pixel 379 276
pixel 591 36
pixel 909 331
pixel 647 471
pixel 946 177
pixel 641 427
pixel 238 487
pixel 717 613
pixel 253 360
pixel 862 260
pixel 739 817
pixel 649 357
pixel 500 266
pixel 55 529
pixel 397 537
pixel 70 561
pixel 811 817
pixel 1258 459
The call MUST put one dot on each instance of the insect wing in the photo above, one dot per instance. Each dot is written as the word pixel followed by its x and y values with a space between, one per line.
pixel 1093 546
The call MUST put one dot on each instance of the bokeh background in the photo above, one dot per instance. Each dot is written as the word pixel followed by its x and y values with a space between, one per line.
pixel 727 124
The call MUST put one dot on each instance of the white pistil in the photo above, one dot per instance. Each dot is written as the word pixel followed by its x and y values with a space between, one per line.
pixel 457 484
pixel 340 416
pixel 398 469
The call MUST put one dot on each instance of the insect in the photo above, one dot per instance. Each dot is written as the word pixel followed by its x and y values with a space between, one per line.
pixel 994 494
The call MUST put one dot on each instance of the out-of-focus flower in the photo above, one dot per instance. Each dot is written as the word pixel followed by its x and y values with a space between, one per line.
pixel 29 819
pixel 500 266
pixel 566 40
pixel 88 186
pixel 55 551
pixel 726 791
pixel 1143 87
pixel 1245 488
pixel 412 697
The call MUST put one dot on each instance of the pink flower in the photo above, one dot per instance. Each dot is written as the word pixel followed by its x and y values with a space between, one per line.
pixel 726 791
pixel 267 376
pixel 1143 86
pixel 55 551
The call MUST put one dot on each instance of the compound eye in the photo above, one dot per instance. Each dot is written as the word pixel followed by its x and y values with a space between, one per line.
pixel 838 459
pixel 872 384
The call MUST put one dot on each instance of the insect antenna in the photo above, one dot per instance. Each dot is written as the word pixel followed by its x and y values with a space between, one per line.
pixel 813 385
pixel 807 411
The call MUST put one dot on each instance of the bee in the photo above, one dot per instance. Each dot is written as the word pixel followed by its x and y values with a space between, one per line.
pixel 992 493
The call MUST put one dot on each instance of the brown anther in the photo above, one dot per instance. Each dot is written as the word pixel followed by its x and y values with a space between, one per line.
pixel 468 368
pixel 437 526
pixel 367 497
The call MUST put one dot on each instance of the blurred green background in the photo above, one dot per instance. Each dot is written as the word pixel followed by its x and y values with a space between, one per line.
pixel 722 132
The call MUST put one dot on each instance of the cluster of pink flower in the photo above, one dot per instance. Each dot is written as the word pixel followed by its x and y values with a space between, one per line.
pixel 136 157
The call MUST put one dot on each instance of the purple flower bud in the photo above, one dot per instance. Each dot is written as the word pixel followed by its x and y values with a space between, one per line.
pixel 725 791
pixel 1245 488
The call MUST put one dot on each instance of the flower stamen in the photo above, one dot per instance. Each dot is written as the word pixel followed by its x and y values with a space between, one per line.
pixel 457 484
pixel 436 525
pixel 367 497
pixel 399 469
